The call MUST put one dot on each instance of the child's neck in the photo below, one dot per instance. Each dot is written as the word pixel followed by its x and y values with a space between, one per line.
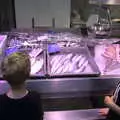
pixel 17 93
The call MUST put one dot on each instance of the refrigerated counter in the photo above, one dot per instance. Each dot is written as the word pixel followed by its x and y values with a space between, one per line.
pixel 70 98
pixel 84 85
pixel 70 93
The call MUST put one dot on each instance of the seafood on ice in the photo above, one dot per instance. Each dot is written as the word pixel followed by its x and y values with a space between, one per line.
pixel 68 63
pixel 35 52
pixel 36 66
pixel 68 44
pixel 37 61
pixel 30 44
pixel 107 58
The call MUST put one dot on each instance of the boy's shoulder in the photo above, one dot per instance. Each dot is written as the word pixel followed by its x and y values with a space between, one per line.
pixel 31 95
pixel 2 97
pixel 34 94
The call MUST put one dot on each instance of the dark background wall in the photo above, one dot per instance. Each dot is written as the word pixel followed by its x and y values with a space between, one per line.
pixel 82 7
pixel 7 15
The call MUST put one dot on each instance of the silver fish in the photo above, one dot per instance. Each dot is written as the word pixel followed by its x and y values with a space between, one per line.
pixel 32 60
pixel 55 59
pixel 81 69
pixel 81 62
pixel 35 52
pixel 66 67
pixel 75 57
pixel 56 64
pixel 78 58
pixel 59 70
pixel 37 66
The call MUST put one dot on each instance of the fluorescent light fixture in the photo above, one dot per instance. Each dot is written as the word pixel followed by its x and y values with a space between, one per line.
pixel 106 2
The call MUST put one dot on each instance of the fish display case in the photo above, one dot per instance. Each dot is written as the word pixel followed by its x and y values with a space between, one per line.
pixel 31 44
pixel 65 54
pixel 70 58
pixel 46 50
pixel 74 69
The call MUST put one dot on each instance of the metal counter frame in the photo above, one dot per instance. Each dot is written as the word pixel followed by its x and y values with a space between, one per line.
pixel 67 87
pixel 70 93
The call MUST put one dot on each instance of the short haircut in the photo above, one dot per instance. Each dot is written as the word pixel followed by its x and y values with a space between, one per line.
pixel 16 68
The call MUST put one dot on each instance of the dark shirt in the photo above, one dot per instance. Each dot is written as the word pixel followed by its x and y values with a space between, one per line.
pixel 27 108
pixel 113 115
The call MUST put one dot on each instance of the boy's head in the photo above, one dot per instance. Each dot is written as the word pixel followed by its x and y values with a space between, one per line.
pixel 16 68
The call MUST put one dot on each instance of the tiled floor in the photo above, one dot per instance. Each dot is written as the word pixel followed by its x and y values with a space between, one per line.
pixel 74 115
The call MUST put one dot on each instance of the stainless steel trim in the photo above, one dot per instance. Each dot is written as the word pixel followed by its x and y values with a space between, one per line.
pixel 69 87
pixel 106 2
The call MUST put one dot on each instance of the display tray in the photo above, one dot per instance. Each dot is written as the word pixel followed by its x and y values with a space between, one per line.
pixel 71 61
pixel 3 39
pixel 24 42
pixel 107 58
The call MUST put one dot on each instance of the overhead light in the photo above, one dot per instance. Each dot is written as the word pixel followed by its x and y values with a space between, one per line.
pixel 106 2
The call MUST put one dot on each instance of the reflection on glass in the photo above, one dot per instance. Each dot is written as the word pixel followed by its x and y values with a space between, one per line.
pixel 99 21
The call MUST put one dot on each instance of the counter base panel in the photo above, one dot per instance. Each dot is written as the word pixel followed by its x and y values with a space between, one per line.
pixel 70 93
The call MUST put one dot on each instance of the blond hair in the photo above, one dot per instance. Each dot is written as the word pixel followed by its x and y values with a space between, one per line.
pixel 16 68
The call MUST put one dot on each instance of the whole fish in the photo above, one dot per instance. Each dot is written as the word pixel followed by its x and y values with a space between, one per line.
pixel 75 57
pixel 71 67
pixel 82 68
pixel 81 62
pixel 35 52
pixel 37 66
pixel 56 64
pixel 59 70
pixel 32 60
pixel 55 59
pixel 66 57
pixel 66 66
pixel 78 58
pixel 60 62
